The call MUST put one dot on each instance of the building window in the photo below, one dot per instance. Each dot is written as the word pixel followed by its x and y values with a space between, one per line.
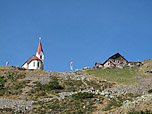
pixel 40 56
pixel 33 64
pixel 38 64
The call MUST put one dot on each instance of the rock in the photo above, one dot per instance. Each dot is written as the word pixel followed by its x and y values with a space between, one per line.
pixel 17 105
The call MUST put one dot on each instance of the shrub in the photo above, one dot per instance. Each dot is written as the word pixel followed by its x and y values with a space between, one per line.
pixel 39 85
pixel 140 112
pixel 54 85
pixel 1 85
pixel 2 82
pixel 42 94
pixel 83 95
pixel 114 102
pixel 13 76
pixel 6 111
pixel 150 91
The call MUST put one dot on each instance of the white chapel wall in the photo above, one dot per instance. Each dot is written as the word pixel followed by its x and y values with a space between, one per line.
pixel 25 66
pixel 34 64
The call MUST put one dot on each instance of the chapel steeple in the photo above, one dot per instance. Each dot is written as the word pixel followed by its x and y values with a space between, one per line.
pixel 39 50
pixel 40 53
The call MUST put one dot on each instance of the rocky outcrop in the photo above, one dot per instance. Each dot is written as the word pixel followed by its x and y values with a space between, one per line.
pixel 11 67
pixel 140 103
pixel 25 106
pixel 67 94
pixel 66 76
pixel 16 105
pixel 141 88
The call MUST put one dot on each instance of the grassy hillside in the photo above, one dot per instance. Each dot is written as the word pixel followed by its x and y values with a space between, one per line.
pixel 122 76
pixel 146 68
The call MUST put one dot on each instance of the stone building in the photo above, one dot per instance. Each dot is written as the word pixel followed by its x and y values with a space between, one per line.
pixel 133 64
pixel 99 65
pixel 117 61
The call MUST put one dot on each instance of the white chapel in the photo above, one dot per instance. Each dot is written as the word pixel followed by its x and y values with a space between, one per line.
pixel 35 62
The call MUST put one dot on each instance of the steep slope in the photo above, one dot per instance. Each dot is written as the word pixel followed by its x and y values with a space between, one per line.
pixel 96 91
pixel 25 91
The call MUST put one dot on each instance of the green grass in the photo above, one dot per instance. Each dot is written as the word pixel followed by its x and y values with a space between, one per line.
pixel 122 76
pixel 141 112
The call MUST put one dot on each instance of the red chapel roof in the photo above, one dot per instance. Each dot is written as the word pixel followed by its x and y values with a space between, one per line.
pixel 31 59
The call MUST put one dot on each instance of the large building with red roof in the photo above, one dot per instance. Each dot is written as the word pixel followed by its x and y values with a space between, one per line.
pixel 35 62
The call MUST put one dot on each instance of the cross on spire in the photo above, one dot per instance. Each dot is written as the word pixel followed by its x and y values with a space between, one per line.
pixel 40 38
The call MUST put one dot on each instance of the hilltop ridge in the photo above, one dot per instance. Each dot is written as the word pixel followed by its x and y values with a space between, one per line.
pixel 97 91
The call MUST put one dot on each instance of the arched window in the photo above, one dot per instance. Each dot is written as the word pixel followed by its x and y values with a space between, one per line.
pixel 40 56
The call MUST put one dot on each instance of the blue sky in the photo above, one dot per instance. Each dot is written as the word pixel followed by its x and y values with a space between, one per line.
pixel 82 31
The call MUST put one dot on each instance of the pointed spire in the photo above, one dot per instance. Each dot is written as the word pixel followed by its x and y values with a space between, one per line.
pixel 39 50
